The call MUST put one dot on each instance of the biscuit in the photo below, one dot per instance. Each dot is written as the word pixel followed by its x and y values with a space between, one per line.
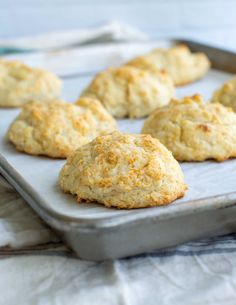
pixel 194 131
pixel 20 84
pixel 183 66
pixel 226 94
pixel 57 128
pixel 131 92
pixel 123 171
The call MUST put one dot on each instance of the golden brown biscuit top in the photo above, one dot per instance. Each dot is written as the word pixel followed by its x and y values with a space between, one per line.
pixel 226 94
pixel 127 75
pixel 18 71
pixel 194 131
pixel 56 128
pixel 95 107
pixel 195 110
pixel 123 160
pixel 229 86
pixel 132 92
pixel 179 55
pixel 123 171
pixel 58 114
pixel 20 84
pixel 182 65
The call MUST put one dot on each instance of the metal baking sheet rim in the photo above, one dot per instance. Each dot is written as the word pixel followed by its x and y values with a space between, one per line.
pixel 221 201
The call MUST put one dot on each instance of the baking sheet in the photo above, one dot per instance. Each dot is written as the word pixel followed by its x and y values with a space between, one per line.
pixel 204 179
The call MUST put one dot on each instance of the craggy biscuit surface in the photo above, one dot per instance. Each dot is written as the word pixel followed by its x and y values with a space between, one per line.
pixel 20 84
pixel 226 94
pixel 57 128
pixel 123 171
pixel 194 131
pixel 183 66
pixel 131 92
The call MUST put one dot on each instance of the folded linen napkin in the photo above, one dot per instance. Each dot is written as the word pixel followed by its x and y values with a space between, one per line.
pixel 113 31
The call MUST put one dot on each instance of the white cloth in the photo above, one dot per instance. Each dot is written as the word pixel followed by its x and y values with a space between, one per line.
pixel 19 225
pixel 58 40
pixel 175 279
pixel 36 268
pixel 201 272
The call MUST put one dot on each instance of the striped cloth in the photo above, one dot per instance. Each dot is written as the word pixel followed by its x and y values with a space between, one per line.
pixel 36 268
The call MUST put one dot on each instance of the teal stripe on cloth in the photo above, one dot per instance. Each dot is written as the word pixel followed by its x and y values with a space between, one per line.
pixel 12 50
